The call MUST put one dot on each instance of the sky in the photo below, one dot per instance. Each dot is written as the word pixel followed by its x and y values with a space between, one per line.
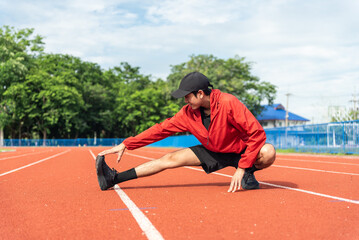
pixel 307 48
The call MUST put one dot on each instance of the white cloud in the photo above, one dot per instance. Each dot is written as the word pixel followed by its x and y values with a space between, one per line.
pixel 200 12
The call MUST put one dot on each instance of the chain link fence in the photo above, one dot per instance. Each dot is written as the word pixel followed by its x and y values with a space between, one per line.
pixel 339 137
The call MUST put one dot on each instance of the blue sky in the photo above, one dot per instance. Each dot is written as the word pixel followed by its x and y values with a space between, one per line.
pixel 307 48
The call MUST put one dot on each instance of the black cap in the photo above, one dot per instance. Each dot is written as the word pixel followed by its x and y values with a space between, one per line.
pixel 193 81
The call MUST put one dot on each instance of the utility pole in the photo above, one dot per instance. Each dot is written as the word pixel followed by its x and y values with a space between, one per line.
pixel 286 119
pixel 286 110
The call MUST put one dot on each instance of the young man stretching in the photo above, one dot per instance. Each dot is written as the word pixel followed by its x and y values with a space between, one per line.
pixel 229 134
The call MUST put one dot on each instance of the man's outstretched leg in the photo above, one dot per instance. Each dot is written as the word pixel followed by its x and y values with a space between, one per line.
pixel 265 158
pixel 108 177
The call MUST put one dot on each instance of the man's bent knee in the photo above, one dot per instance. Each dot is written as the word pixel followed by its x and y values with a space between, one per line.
pixel 266 156
pixel 269 152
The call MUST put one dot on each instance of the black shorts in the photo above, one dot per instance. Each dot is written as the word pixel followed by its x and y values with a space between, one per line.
pixel 212 161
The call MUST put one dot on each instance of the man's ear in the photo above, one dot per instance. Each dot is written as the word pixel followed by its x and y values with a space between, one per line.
pixel 201 93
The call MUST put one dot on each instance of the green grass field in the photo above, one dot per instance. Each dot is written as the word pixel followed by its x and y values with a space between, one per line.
pixel 284 151
pixel 6 150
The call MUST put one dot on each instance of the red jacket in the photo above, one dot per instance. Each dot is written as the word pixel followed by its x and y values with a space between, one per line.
pixel 232 129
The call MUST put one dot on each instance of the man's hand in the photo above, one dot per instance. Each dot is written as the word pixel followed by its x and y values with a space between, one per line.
pixel 236 180
pixel 118 149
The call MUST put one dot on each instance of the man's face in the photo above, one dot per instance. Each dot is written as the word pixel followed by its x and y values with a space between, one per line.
pixel 193 101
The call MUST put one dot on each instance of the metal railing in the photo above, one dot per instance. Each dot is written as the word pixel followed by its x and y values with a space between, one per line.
pixel 63 142
pixel 339 137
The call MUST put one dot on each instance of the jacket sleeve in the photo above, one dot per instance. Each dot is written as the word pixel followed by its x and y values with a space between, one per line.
pixel 250 131
pixel 157 132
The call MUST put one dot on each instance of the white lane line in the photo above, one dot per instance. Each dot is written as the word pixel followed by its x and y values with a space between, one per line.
pixel 159 152
pixel 289 188
pixel 145 224
pixel 93 155
pixel 297 160
pixel 319 156
pixel 26 154
pixel 316 170
pixel 273 185
pixel 42 160
pixel 140 156
pixel 149 151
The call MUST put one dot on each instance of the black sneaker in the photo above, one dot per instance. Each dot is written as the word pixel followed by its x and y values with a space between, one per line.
pixel 249 181
pixel 105 175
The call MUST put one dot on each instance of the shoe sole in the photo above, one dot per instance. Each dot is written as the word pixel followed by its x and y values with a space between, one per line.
pixel 251 187
pixel 100 177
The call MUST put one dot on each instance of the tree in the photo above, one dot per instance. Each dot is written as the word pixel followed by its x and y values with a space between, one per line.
pixel 87 78
pixel 15 100
pixel 52 102
pixel 341 114
pixel 61 96
pixel 144 108
pixel 232 76
pixel 18 49
pixel 139 101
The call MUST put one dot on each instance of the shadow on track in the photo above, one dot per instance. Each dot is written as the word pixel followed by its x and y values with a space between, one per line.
pixel 280 183
pixel 216 184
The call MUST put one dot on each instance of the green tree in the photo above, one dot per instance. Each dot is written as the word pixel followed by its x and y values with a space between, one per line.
pixel 144 108
pixel 18 50
pixel 126 80
pixel 139 101
pixel 232 76
pixel 344 114
pixel 86 80
pixel 15 100
pixel 52 102
pixel 61 96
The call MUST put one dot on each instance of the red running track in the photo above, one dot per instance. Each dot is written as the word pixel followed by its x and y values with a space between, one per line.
pixel 52 193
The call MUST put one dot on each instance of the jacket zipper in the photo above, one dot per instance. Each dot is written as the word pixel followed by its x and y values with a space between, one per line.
pixel 209 127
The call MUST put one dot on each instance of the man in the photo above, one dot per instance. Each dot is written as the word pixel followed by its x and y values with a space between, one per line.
pixel 229 133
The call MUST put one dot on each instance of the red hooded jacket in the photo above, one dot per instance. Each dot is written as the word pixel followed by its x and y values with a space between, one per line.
pixel 232 129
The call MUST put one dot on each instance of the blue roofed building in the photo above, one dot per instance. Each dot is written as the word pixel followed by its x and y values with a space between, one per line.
pixel 274 116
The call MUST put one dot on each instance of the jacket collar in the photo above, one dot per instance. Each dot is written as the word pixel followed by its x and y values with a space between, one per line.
pixel 214 98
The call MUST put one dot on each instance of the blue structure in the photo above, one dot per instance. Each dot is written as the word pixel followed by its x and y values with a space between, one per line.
pixel 177 141
pixel 274 116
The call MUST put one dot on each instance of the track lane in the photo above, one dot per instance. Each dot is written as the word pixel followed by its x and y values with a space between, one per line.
pixel 328 184
pixel 147 227
pixel 195 205
pixel 34 163
pixel 60 199
pixel 17 154
pixel 22 159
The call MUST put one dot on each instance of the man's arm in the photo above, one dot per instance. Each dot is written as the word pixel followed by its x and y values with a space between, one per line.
pixel 250 131
pixel 158 132
pixel 151 135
